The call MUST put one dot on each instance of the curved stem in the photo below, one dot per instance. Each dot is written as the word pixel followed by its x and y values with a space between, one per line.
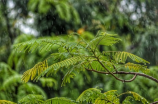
pixel 122 72
pixel 156 102
pixel 112 73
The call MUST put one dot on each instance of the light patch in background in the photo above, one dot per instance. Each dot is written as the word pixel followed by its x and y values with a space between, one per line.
pixel 130 8
pixel 26 26
pixel 23 24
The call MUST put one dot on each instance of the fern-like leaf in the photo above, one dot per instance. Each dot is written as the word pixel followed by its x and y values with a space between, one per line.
pixel 109 97
pixel 6 102
pixel 59 100
pixel 37 69
pixel 104 39
pixel 32 45
pixel 137 97
pixel 31 99
pixel 67 78
pixel 42 68
pixel 136 67
pixel 65 63
pixel 89 95
pixel 122 57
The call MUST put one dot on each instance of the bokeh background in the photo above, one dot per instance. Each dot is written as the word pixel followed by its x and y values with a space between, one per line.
pixel 135 21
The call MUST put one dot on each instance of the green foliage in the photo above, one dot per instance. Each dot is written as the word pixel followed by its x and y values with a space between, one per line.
pixel 95 96
pixel 101 38
pixel 5 70
pixel 127 100
pixel 67 78
pixel 63 8
pixel 90 59
pixel 6 102
pixel 59 100
pixel 89 95
pixel 121 57
pixel 75 57
pixel 136 96
pixel 55 17
pixel 31 99
pixel 137 67
pixel 11 82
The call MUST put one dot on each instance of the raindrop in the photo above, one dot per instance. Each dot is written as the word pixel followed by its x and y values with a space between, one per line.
pixel 106 74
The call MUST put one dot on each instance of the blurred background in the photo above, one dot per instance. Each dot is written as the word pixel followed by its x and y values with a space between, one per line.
pixel 135 21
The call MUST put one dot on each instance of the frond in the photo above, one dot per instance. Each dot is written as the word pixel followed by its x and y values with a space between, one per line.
pixel 59 100
pixel 32 45
pixel 110 96
pixel 67 78
pixel 121 57
pixel 42 68
pixel 104 39
pixel 49 82
pixel 89 95
pixel 65 63
pixel 31 99
pixel 136 67
pixel 37 69
pixel 6 102
pixel 46 45
pixel 137 97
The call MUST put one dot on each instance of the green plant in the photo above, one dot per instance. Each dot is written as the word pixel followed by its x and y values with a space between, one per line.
pixel 84 55
pixel 91 95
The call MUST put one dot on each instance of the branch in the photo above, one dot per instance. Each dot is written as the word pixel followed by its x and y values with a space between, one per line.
pixel 133 73
pixel 156 102
pixel 116 72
